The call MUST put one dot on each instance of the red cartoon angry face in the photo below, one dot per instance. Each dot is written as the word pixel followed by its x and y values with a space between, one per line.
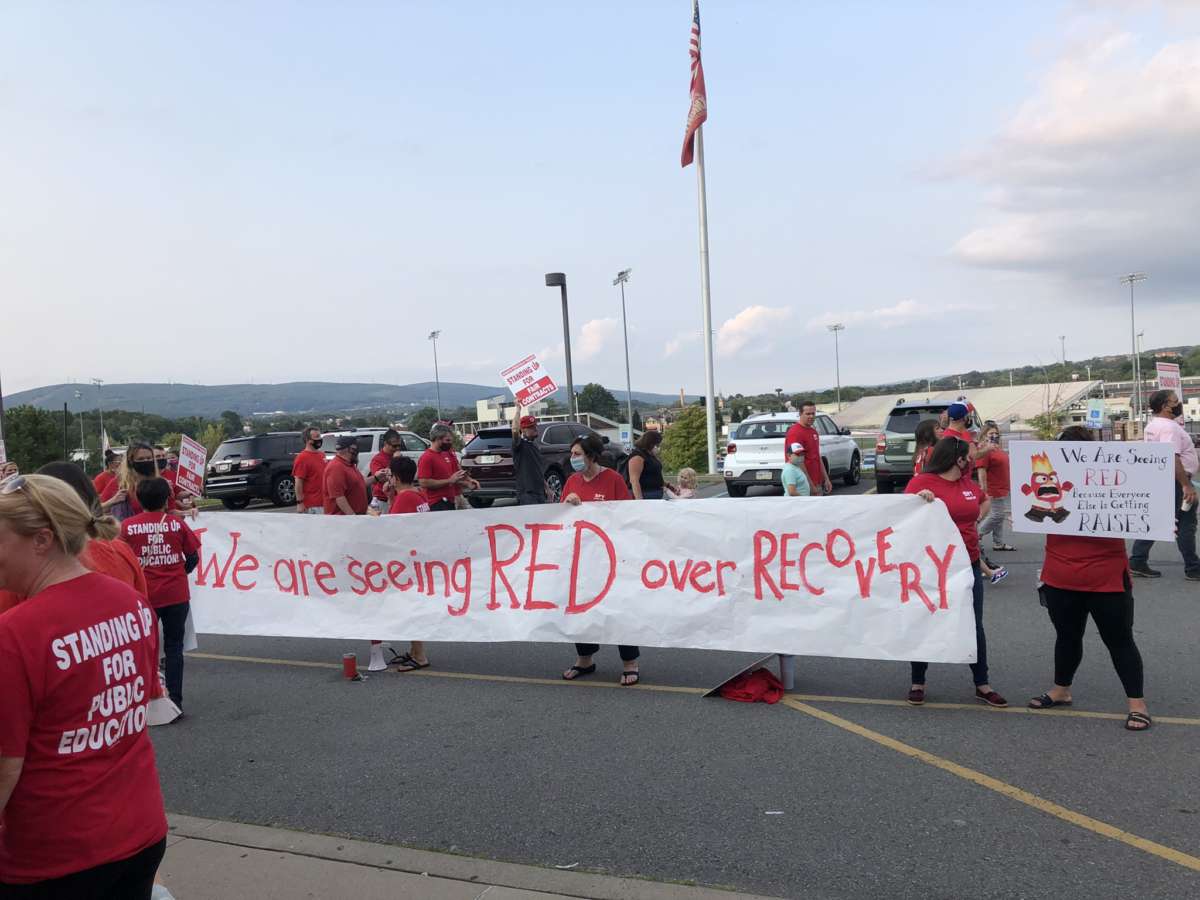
pixel 1045 490
pixel 1045 486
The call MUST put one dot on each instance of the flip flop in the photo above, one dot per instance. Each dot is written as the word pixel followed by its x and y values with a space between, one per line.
pixel 635 675
pixel 1144 718
pixel 579 671
pixel 1045 701
pixel 1005 548
pixel 406 663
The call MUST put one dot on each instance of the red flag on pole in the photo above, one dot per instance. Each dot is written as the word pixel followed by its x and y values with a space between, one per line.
pixel 698 112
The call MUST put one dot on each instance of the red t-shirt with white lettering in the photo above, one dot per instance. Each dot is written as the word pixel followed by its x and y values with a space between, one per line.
pixel 408 502
pixel 135 508
pixel 342 479
pixel 439 465
pixel 310 466
pixel 76 664
pixel 962 501
pixel 607 485
pixel 161 541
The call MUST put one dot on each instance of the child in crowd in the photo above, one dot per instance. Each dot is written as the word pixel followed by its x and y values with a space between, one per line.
pixel 168 551
pixel 685 488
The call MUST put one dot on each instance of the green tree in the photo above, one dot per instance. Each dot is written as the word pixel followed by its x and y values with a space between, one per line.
pixel 32 437
pixel 232 422
pixel 595 398
pixel 685 443
pixel 637 421
pixel 211 436
pixel 171 440
pixel 422 420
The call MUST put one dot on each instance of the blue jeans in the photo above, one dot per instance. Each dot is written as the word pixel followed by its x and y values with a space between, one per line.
pixel 1185 540
pixel 979 668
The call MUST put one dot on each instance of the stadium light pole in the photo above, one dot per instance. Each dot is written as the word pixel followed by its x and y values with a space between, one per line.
pixel 622 277
pixel 1131 279
pixel 1062 340
pixel 100 408
pixel 559 280
pixel 837 360
pixel 437 378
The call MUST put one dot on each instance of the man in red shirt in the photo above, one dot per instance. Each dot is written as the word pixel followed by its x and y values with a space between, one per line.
pixel 438 472
pixel 168 551
pixel 389 445
pixel 308 470
pixel 804 433
pixel 345 490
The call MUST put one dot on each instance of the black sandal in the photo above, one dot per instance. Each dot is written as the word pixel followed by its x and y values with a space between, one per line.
pixel 1144 718
pixel 1047 702
pixel 579 671
pixel 634 674
pixel 1004 548
pixel 406 663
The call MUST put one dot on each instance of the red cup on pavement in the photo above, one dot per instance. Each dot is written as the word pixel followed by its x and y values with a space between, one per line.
pixel 350 665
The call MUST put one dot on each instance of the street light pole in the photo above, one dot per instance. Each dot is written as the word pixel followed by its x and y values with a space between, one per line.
pixel 100 408
pixel 1062 339
pixel 1131 279
pixel 437 378
pixel 622 277
pixel 837 360
pixel 559 280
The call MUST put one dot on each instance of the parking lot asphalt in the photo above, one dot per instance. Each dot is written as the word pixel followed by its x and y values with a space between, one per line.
pixel 842 790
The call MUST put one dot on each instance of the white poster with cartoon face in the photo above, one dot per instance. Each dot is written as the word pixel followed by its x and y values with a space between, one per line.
pixel 1094 489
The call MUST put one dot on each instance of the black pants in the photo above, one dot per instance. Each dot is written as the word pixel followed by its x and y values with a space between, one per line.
pixel 442 505
pixel 528 499
pixel 1113 615
pixel 979 668
pixel 628 653
pixel 173 618
pixel 126 879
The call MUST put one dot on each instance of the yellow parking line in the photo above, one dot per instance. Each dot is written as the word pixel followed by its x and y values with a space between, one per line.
pixel 1003 788
pixel 679 689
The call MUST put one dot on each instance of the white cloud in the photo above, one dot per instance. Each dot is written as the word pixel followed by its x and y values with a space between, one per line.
pixel 754 324
pixel 594 337
pixel 1099 170
pixel 884 317
pixel 678 342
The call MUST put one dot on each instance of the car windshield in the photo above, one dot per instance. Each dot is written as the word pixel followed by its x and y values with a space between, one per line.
pixel 233 450
pixel 757 431
pixel 489 440
pixel 905 421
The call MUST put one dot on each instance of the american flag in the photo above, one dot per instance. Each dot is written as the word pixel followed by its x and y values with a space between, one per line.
pixel 698 113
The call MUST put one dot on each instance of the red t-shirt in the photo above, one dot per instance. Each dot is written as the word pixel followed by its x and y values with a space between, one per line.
pixel 408 502
pixel 921 459
pixel 342 479
pixel 607 485
pixel 381 460
pixel 132 500
pixel 310 466
pixel 962 501
pixel 102 481
pixel 813 467
pixel 438 465
pixel 161 541
pixel 1076 563
pixel 77 662
pixel 995 463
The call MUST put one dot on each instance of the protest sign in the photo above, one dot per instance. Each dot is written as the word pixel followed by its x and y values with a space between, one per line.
pixel 1168 378
pixel 192 459
pixel 868 577
pixel 528 381
pixel 1094 489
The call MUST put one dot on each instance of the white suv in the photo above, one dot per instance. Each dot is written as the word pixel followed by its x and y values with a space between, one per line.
pixel 755 452
pixel 369 444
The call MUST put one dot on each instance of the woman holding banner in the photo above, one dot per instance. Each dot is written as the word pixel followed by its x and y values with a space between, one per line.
pixel 944 479
pixel 1084 576
pixel 593 482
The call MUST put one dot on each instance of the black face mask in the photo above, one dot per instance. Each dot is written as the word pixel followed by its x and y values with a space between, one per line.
pixel 162 464
pixel 316 445
pixel 145 468
pixel 1177 410
pixel 354 457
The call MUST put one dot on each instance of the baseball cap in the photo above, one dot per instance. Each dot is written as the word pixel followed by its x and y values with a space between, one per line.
pixel 528 421
pixel 798 448
pixel 958 411
pixel 346 441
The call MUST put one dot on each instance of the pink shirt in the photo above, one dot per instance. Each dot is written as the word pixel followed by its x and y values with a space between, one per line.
pixel 1167 431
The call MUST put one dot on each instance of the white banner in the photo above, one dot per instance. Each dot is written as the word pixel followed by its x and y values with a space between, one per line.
pixel 1094 489
pixel 868 577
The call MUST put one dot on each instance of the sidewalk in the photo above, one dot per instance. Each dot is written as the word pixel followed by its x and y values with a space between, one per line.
pixel 207 858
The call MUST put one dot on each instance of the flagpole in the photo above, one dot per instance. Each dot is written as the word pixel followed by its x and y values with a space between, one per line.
pixel 710 401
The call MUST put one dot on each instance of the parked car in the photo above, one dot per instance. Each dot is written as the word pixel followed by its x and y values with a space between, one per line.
pixel 254 467
pixel 755 454
pixel 488 459
pixel 896 445
pixel 369 440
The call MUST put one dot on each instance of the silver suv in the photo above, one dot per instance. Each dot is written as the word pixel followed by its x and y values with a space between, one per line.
pixel 755 453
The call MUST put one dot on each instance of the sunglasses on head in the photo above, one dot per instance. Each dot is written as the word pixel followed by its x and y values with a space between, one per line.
pixel 12 484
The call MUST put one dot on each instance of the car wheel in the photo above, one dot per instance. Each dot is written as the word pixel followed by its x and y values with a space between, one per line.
pixel 554 486
pixel 236 503
pixel 852 477
pixel 736 490
pixel 480 502
pixel 283 491
pixel 884 485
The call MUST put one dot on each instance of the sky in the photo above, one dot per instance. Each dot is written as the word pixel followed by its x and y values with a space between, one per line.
pixel 222 193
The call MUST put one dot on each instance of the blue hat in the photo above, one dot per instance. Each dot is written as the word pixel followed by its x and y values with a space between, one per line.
pixel 958 411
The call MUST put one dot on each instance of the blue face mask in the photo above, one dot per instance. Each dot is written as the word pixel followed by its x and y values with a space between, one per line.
pixel 578 463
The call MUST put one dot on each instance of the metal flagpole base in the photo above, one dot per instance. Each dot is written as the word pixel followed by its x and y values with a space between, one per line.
pixel 787 671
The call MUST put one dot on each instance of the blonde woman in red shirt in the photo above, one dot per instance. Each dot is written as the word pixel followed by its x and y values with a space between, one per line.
pixel 1084 576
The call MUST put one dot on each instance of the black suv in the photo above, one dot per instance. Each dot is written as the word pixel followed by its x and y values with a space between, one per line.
pixel 488 459
pixel 254 467
pixel 896 447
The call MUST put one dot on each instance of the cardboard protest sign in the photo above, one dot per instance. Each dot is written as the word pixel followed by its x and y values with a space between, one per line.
pixel 192 459
pixel 868 577
pixel 528 381
pixel 1094 489
pixel 1168 378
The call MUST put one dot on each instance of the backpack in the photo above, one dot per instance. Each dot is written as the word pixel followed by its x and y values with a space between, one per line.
pixel 623 468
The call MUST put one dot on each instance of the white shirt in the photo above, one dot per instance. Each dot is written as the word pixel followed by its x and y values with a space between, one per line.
pixel 1167 431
